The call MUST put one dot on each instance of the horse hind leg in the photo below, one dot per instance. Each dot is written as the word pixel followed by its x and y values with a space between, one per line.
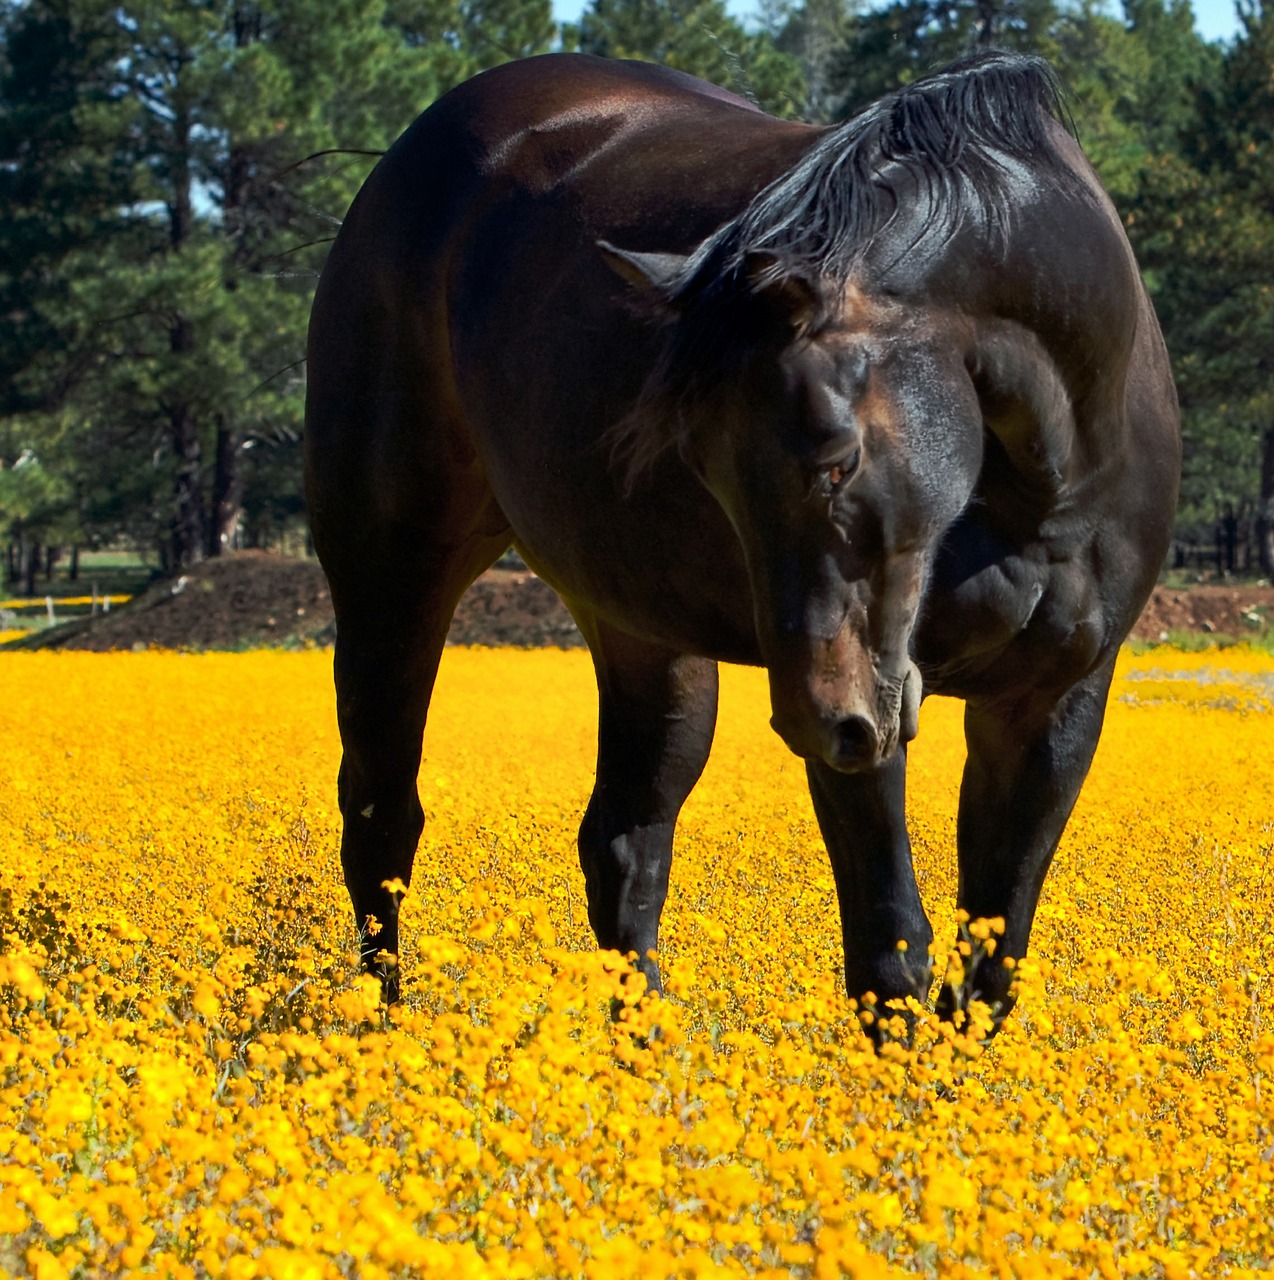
pixel 403 519
pixel 391 627
pixel 657 715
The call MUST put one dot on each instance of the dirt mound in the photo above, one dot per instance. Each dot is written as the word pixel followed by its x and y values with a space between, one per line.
pixel 254 599
pixel 517 608
pixel 1216 609
pixel 233 602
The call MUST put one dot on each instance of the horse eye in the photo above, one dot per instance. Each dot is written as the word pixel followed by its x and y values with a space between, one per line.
pixel 839 472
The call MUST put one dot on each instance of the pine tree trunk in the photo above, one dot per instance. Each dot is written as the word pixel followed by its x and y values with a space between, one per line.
pixel 1265 508
pixel 225 490
pixel 181 205
pixel 1228 539
pixel 188 533
pixel 32 567
pixel 21 575
pixel 987 30
pixel 189 536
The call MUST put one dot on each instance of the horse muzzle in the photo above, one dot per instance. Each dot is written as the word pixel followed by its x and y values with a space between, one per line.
pixel 859 736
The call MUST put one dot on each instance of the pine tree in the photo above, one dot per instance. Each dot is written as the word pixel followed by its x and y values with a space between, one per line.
pixel 815 33
pixel 1204 226
pixel 896 44
pixel 61 178
pixel 156 323
pixel 698 37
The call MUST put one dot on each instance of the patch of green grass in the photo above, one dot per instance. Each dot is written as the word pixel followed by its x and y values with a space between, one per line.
pixel 124 560
pixel 1201 641
pixel 113 573
pixel 1184 579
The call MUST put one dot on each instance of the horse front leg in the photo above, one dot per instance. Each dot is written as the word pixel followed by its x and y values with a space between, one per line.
pixel 1027 759
pixel 657 715
pixel 885 931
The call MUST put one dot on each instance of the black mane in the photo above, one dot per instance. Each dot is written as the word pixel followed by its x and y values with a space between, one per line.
pixel 950 131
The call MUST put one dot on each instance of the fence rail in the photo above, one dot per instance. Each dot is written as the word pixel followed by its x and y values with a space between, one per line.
pixel 41 602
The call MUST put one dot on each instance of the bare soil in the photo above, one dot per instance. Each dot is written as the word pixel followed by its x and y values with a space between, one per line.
pixel 255 599
pixel 1224 609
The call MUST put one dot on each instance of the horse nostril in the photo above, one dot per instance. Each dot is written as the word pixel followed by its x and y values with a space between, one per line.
pixel 856 741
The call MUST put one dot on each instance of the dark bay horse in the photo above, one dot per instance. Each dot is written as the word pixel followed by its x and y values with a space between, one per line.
pixel 882 407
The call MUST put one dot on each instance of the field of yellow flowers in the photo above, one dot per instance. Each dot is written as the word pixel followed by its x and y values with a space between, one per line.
pixel 194 1081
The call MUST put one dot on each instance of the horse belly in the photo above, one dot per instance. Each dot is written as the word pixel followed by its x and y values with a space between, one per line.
pixel 661 564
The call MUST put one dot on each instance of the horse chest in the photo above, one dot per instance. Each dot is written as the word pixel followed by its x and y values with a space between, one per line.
pixel 998 618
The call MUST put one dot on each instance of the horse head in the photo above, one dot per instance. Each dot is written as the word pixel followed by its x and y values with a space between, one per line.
pixel 841 434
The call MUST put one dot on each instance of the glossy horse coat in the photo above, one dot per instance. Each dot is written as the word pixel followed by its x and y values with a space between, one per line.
pixel 882 407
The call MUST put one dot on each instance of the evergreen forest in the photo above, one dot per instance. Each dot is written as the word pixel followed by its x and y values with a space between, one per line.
pixel 171 175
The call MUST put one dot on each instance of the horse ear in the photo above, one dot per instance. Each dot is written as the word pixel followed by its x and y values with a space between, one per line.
pixel 796 296
pixel 652 274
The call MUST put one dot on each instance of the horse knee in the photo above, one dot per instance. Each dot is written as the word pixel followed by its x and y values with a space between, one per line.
pixel 374 793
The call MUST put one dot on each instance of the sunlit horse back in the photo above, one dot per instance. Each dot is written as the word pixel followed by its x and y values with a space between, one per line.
pixel 882 407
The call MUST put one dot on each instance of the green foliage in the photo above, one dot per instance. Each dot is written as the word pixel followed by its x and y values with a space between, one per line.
pixel 815 33
pixel 698 37
pixel 1203 225
pixel 32 493
pixel 164 221
pixel 896 44
pixel 170 176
